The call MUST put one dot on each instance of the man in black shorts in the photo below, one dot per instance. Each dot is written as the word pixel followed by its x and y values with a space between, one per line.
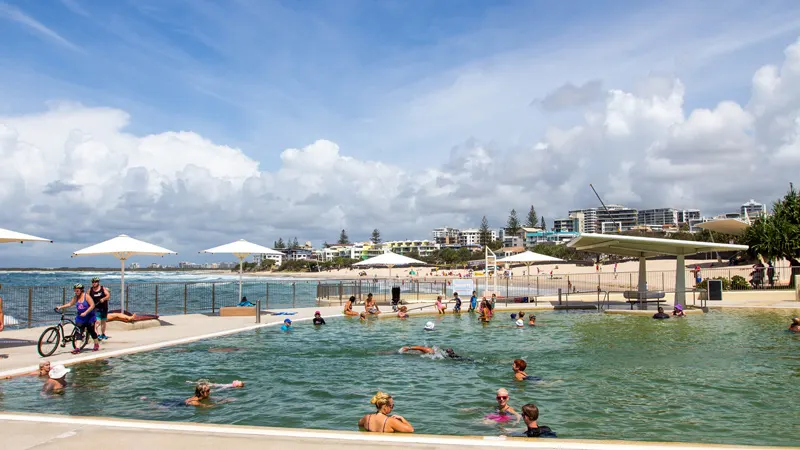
pixel 100 296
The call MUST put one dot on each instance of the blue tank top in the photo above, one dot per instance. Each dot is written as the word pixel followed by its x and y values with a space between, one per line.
pixel 82 306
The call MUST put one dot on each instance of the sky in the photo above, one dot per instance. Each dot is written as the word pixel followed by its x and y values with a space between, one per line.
pixel 193 123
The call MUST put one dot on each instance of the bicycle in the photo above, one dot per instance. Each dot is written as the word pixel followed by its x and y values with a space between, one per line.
pixel 53 336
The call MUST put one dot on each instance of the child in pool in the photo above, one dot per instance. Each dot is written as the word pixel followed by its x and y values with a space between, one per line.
pixel 403 312
pixel 440 307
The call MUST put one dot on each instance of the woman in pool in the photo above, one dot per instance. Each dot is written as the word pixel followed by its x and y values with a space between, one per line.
pixel 403 312
pixel 381 421
pixel 348 307
pixel 440 307
pixel 370 307
pixel 504 412
pixel 795 326
pixel 519 367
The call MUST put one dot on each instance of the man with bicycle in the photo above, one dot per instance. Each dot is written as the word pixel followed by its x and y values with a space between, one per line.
pixel 100 295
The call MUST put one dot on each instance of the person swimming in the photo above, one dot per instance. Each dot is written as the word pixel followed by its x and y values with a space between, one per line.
pixel 430 326
pixel 448 352
pixel 532 320
pixel 519 366
pixel 519 323
pixel 362 317
pixel 402 313
pixel 235 384
pixel 795 326
pixel 381 421
pixel 202 396
pixel 503 411
pixel 678 311
pixel 287 325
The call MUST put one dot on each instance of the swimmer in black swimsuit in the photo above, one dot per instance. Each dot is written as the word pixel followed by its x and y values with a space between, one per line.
pixel 448 352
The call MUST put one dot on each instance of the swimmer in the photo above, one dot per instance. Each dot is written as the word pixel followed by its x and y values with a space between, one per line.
pixel 678 311
pixel 381 421
pixel 57 380
pixel 448 352
pixel 42 372
pixel 519 366
pixel 223 350
pixel 362 317
pixel 318 320
pixel 202 392
pixel 403 312
pixel 513 316
pixel 430 326
pixel 521 315
pixel 234 384
pixel 530 413
pixel 795 326
pixel 503 408
pixel 519 323
pixel 660 314
pixel 287 325
pixel 532 320
pixel 348 307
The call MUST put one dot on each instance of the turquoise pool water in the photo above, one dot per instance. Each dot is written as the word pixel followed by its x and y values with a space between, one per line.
pixel 731 377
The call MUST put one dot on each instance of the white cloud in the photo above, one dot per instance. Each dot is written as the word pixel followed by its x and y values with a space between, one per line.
pixel 73 172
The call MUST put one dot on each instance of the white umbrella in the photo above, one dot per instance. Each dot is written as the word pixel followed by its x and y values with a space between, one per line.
pixel 528 258
pixel 123 247
pixel 242 249
pixel 389 260
pixel 12 236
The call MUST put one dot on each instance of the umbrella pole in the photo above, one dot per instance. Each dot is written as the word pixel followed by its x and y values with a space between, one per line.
pixel 123 300
pixel 241 262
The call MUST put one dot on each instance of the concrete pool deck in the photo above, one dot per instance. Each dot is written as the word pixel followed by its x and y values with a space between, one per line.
pixel 40 431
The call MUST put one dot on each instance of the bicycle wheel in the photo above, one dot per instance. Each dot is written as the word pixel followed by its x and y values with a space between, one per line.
pixel 48 341
pixel 77 342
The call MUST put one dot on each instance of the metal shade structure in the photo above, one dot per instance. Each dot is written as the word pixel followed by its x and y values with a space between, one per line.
pixel 8 236
pixel 734 227
pixel 242 249
pixel 528 257
pixel 389 260
pixel 123 247
pixel 644 247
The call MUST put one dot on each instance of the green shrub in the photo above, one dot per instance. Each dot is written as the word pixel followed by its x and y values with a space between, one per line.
pixel 739 283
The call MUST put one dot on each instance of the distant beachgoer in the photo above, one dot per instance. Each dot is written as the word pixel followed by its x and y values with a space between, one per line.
pixel 245 302
pixel 771 274
pixel 697 275
pixel 457 300
pixel 100 295
pixel 287 325
pixel 503 408
pixel 381 421
pixel 795 326
pixel 473 302
pixel 85 318
pixel 57 380
pixel 429 326
pixel 519 366
pixel 678 311
pixel 530 414
pixel 493 301
pixel 318 320
pixel 660 314
pixel 615 271
pixel 348 307
pixel 117 315
pixel 402 312
pixel 532 320
pixel 440 307
pixel 370 306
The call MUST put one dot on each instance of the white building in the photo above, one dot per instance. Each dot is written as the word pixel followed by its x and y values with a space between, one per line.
pixel 684 216
pixel 752 209
pixel 445 235
pixel 658 216
pixel 133 265
pixel 587 220
pixel 472 236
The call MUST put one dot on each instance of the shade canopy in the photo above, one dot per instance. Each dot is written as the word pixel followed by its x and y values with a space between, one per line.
pixel 123 247
pixel 734 227
pixel 529 257
pixel 615 244
pixel 389 260
pixel 12 236
pixel 242 249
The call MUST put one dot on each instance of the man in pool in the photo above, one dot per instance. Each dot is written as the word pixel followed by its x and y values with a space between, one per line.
pixel 448 352
pixel 287 325
pixel 660 314
pixel 532 320
pixel 202 392
pixel 530 414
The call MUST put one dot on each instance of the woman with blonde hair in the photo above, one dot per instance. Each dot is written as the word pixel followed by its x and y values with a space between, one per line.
pixel 381 421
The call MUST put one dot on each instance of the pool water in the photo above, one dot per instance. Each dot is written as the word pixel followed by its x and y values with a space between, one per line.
pixel 731 377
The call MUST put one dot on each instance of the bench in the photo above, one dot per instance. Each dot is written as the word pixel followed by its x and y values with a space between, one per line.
pixel 634 297
pixel 237 311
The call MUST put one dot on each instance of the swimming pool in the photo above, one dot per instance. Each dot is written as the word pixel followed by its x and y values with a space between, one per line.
pixel 731 377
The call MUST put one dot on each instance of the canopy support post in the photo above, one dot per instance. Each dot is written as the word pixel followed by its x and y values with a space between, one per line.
pixel 680 281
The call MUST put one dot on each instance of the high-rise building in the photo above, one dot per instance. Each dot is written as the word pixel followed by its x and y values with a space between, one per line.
pixel 752 209
pixel 687 215
pixel 445 235
pixel 587 220
pixel 472 236
pixel 616 218
pixel 567 225
pixel 658 216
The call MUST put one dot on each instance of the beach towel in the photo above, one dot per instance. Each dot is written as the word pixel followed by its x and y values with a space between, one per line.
pixel 284 313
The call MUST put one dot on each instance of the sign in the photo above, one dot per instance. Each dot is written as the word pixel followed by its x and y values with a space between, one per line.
pixel 464 287
pixel 714 289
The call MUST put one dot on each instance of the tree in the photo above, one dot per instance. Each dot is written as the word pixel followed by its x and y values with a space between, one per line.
pixel 343 239
pixel 544 225
pixel 376 236
pixel 533 219
pixel 295 244
pixel 326 245
pixel 280 244
pixel 484 233
pixel 778 236
pixel 512 225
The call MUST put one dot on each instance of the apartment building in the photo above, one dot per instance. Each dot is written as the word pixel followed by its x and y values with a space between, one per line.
pixel 445 235
pixel 752 209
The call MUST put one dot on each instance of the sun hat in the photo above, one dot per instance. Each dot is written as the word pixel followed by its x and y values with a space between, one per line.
pixel 519 323
pixel 679 307
pixel 57 372
pixel 429 326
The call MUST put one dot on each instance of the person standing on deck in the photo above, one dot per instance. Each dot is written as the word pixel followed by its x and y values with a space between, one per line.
pixel 100 295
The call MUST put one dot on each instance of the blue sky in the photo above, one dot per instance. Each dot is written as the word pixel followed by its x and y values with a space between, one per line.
pixel 426 88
